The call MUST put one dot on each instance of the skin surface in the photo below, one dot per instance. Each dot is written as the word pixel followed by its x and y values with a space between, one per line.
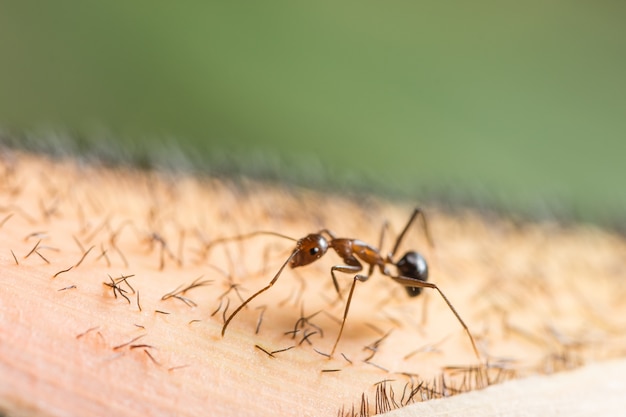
pixel 538 298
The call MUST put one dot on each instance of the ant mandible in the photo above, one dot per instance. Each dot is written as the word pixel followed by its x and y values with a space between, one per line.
pixel 412 267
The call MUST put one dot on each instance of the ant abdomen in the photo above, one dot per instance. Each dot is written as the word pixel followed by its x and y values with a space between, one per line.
pixel 413 265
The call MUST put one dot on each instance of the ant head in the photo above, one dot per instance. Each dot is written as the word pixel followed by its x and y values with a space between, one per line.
pixel 413 265
pixel 309 249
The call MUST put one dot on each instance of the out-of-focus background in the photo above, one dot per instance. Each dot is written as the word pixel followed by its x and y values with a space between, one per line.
pixel 517 105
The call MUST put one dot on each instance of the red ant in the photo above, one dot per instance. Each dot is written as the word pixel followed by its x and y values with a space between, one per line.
pixel 412 267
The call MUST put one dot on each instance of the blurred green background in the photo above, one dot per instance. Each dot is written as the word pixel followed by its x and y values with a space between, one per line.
pixel 518 105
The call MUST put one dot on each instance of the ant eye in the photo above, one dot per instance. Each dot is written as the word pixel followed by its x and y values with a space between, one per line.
pixel 313 251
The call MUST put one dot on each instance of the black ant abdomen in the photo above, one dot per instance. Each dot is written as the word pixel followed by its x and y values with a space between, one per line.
pixel 413 265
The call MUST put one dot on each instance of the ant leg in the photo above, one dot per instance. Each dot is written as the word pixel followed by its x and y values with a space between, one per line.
pixel 343 268
pixel 415 214
pixel 414 283
pixel 262 290
pixel 382 234
pixel 361 278
pixel 329 233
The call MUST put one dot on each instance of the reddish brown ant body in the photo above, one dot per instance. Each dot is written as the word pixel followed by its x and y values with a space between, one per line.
pixel 412 267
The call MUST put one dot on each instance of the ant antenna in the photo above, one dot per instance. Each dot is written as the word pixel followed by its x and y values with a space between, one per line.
pixel 245 236
pixel 262 290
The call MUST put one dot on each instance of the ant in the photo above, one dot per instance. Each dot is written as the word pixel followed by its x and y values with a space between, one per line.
pixel 412 267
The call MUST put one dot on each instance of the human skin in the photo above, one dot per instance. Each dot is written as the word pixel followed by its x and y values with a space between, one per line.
pixel 536 297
